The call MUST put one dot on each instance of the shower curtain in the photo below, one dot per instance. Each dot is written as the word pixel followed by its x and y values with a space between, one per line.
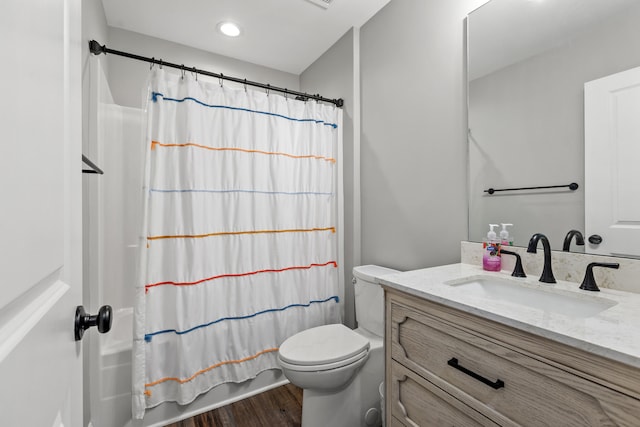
pixel 239 246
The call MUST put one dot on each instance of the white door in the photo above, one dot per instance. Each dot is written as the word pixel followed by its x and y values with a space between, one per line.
pixel 40 213
pixel 612 163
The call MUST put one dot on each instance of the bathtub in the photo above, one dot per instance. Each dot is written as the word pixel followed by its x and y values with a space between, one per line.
pixel 113 408
pixel 118 340
pixel 111 379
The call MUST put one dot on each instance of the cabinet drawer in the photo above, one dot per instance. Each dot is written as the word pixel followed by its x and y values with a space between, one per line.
pixel 417 402
pixel 506 385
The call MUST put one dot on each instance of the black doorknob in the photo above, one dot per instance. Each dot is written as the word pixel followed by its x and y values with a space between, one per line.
pixel 84 321
pixel 595 239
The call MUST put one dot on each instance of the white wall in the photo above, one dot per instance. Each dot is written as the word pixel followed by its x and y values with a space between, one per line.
pixel 332 75
pixel 527 129
pixel 128 77
pixel 414 150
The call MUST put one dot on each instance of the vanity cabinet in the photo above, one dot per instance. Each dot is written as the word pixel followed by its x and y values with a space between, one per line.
pixel 446 367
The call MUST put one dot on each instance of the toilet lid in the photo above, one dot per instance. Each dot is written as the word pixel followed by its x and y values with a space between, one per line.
pixel 322 345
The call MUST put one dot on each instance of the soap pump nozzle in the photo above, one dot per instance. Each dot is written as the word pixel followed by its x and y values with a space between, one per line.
pixel 504 234
pixel 491 235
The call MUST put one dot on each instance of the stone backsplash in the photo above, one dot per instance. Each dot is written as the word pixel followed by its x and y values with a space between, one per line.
pixel 567 266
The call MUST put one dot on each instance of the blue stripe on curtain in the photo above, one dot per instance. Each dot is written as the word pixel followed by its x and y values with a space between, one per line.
pixel 155 95
pixel 149 336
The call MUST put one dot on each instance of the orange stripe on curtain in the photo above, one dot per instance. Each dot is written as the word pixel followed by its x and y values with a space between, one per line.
pixel 205 370
pixel 231 233
pixel 272 153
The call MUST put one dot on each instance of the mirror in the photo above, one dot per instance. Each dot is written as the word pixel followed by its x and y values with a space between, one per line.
pixel 528 62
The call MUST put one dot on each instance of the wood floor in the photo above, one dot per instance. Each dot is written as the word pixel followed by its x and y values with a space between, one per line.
pixel 280 407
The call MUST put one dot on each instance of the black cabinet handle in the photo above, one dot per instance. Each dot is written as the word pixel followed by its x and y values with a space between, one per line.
pixel 453 362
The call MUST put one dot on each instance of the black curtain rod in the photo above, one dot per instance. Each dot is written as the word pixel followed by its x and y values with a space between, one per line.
pixel 97 49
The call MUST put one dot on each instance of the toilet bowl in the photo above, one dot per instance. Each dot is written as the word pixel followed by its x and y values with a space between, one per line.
pixel 323 358
pixel 340 369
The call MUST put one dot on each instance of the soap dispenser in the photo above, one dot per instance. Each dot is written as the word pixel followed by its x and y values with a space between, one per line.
pixel 505 239
pixel 491 260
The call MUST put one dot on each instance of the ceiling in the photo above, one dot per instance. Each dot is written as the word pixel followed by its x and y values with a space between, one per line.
pixel 503 32
pixel 286 35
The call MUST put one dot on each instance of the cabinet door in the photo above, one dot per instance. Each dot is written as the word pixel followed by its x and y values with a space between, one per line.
pixel 416 402
pixel 507 386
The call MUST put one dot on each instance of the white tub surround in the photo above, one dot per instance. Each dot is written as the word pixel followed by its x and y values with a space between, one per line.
pixel 611 333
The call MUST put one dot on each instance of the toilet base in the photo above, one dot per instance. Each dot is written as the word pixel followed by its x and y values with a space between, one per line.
pixel 336 409
pixel 357 404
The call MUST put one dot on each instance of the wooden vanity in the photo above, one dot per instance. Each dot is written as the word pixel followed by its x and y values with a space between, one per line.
pixel 447 367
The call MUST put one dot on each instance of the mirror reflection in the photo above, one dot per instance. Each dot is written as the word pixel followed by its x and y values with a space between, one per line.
pixel 553 101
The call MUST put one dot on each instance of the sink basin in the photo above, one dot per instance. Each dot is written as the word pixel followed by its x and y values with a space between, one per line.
pixel 542 297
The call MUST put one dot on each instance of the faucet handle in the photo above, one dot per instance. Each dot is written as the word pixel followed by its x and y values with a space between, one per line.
pixel 589 282
pixel 518 271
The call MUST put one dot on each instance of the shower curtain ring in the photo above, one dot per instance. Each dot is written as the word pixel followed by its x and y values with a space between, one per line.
pixel 161 63
pixel 286 94
pixel 195 73
pixel 245 85
pixel 182 71
pixel 152 63
pixel 221 79
pixel 268 88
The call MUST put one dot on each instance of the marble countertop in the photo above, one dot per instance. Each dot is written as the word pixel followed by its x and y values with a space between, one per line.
pixel 613 332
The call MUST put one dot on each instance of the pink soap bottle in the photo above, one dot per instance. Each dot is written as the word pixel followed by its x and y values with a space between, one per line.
pixel 491 260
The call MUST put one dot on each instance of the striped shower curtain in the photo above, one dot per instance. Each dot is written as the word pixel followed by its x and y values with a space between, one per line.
pixel 239 246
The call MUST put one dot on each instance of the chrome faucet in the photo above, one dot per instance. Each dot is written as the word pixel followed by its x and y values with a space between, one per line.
pixel 547 273
pixel 567 239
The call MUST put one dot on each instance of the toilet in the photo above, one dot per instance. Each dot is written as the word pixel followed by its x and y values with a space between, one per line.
pixel 340 369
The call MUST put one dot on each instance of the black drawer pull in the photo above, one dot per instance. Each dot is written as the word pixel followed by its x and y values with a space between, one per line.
pixel 453 362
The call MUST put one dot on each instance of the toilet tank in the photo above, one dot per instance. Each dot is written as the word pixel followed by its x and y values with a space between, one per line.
pixel 369 297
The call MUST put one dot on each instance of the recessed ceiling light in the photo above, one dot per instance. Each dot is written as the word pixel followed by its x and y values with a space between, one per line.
pixel 229 29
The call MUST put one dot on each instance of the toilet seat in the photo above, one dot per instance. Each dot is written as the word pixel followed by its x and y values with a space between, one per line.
pixel 323 348
pixel 324 366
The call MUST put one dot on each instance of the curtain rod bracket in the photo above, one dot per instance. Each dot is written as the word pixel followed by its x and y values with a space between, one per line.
pixel 96 48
